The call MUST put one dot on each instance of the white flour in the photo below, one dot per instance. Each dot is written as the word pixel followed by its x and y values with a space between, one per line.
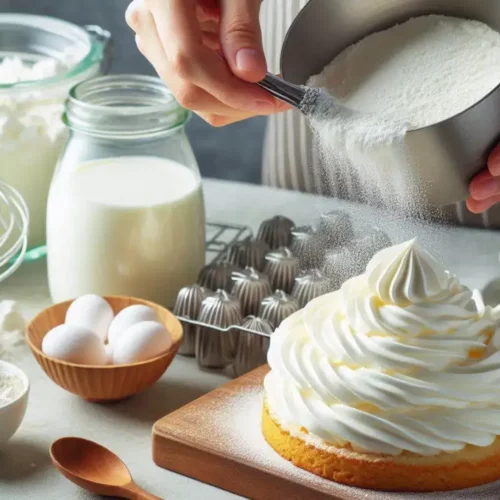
pixel 423 71
pixel 412 75
pixel 11 387
pixel 32 133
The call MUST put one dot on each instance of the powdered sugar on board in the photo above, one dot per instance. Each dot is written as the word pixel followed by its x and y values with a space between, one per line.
pixel 232 424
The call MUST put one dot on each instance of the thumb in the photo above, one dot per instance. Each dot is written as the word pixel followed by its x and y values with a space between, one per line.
pixel 241 38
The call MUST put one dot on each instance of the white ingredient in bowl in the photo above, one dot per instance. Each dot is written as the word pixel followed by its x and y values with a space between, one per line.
pixel 32 133
pixel 11 388
pixel 423 71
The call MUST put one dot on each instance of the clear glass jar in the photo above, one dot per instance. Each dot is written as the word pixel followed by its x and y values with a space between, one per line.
pixel 41 59
pixel 125 213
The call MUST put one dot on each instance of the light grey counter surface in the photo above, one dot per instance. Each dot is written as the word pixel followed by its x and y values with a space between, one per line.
pixel 25 468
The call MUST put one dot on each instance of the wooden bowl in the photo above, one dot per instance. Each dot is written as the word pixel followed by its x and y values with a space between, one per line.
pixel 102 383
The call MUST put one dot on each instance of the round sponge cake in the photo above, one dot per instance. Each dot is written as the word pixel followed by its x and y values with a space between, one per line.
pixel 472 466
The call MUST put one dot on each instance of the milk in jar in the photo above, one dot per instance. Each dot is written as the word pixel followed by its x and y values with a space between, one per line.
pixel 125 212
pixel 130 225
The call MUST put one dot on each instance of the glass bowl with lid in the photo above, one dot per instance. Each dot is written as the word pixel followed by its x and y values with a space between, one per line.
pixel 41 59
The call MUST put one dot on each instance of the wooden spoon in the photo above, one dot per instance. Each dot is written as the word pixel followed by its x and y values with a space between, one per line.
pixel 96 469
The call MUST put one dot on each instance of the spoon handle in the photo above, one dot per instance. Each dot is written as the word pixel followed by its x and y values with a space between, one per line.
pixel 136 493
pixel 283 90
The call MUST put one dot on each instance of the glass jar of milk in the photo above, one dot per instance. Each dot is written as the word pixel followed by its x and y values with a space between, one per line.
pixel 41 59
pixel 125 213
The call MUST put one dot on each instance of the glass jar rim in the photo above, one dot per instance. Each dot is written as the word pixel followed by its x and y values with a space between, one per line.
pixel 123 106
pixel 49 24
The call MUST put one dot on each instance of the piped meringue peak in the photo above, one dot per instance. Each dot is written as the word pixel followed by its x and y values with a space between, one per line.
pixel 405 274
pixel 399 359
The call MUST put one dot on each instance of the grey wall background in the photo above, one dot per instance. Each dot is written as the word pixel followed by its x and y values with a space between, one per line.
pixel 232 152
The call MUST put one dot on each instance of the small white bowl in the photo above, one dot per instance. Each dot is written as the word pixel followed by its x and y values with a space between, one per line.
pixel 12 414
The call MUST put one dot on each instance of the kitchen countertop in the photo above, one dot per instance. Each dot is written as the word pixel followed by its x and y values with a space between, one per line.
pixel 25 468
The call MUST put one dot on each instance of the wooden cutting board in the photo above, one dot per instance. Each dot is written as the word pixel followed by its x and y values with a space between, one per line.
pixel 203 441
pixel 217 440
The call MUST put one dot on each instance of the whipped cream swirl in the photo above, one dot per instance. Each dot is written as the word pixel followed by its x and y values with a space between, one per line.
pixel 399 359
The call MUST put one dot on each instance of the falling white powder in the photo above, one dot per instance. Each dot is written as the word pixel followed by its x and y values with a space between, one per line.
pixel 369 148
pixel 412 75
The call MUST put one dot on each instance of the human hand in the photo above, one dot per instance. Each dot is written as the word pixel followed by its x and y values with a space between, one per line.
pixel 208 52
pixel 485 187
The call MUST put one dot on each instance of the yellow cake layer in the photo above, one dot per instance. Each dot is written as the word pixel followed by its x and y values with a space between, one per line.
pixel 472 466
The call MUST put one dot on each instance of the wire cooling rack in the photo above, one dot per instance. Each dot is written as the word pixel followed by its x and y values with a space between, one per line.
pixel 219 329
pixel 219 237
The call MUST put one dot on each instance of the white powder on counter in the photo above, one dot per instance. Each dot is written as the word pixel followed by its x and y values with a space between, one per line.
pixel 12 326
pixel 409 76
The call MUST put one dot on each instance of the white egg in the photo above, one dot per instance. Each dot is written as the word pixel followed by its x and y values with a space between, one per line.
pixel 74 344
pixel 128 317
pixel 108 349
pixel 91 312
pixel 141 342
